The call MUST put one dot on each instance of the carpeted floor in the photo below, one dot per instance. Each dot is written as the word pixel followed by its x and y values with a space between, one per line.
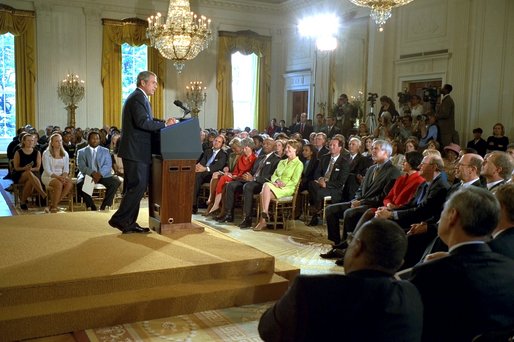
pixel 299 246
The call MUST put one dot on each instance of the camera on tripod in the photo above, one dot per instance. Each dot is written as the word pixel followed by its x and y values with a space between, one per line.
pixel 404 98
pixel 372 98
pixel 430 95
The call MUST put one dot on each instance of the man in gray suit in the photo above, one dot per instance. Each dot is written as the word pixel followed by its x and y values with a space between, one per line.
pixel 377 182
pixel 96 162
pixel 138 125
pixel 446 117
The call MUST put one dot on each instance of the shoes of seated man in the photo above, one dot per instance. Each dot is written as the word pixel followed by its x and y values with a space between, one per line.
pixel 24 207
pixel 340 262
pixel 334 253
pixel 314 221
pixel 246 224
pixel 226 218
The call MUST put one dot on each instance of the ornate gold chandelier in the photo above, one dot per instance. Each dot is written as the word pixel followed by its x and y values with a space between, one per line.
pixel 182 37
pixel 380 9
pixel 71 91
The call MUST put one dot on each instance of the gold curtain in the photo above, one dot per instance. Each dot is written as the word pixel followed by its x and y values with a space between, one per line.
pixel 22 25
pixel 133 32
pixel 246 42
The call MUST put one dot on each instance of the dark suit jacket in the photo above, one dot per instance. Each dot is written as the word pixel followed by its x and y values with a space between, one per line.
pixel 218 163
pixel 504 243
pixel 137 127
pixel 307 130
pixel 361 306
pixel 339 173
pixel 308 173
pixel 446 120
pixel 371 193
pixel 324 150
pixel 358 166
pixel 429 208
pixel 268 168
pixel 466 293
pixel 333 131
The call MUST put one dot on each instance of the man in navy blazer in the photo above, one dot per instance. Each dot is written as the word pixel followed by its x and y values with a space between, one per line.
pixel 135 151
pixel 469 291
pixel 96 162
pixel 503 235
pixel 366 304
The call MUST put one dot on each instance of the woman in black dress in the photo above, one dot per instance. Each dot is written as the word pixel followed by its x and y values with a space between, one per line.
pixel 498 141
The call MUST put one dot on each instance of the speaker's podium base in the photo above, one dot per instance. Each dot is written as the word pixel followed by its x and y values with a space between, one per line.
pixel 173 228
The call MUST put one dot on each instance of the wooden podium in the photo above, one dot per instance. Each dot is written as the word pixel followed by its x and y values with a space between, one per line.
pixel 170 202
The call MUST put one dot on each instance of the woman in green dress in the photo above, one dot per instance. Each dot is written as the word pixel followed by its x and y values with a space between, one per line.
pixel 283 181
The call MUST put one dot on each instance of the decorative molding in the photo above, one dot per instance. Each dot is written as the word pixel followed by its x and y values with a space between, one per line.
pixel 300 79
pixel 424 22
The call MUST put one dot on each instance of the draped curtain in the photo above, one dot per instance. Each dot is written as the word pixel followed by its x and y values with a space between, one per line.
pixel 22 24
pixel 246 42
pixel 133 32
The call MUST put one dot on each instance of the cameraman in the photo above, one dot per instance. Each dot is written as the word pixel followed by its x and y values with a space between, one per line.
pixel 416 108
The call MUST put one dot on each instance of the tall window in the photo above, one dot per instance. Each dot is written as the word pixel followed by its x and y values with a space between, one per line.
pixel 134 59
pixel 244 89
pixel 7 91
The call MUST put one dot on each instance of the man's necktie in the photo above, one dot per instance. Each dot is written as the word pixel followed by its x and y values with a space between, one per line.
pixel 422 194
pixel 330 169
pixel 148 108
pixel 375 174
pixel 259 168
pixel 301 128
pixel 94 165
pixel 211 159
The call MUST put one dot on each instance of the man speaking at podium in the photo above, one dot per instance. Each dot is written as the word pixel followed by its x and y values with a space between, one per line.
pixel 135 151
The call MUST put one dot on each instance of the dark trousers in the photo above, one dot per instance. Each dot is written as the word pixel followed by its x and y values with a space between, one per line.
pixel 317 194
pixel 350 216
pixel 248 189
pixel 200 178
pixel 136 179
pixel 111 184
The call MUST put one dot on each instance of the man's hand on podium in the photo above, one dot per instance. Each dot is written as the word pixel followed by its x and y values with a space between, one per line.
pixel 170 121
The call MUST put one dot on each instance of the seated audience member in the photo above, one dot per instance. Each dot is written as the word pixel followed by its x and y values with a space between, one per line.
pixel 468 292
pixel 271 127
pixel 282 128
pixel 56 165
pixel 411 144
pixel 68 144
pixel 503 234
pixel 432 132
pixel 415 105
pixel 498 141
pixel 96 161
pixel 243 165
pixel 27 162
pixel 283 181
pixel 257 140
pixel 497 169
pixel 450 161
pixel 383 130
pixel 233 156
pixel 377 183
pixel 365 304
pixel 320 142
pixel 213 160
pixel 358 167
pixel 397 158
pixel 478 144
pixel 331 128
pixel 329 179
pixel 403 189
pixel 367 147
pixel 363 130
pixel 320 124
pixel 310 164
pixel 250 184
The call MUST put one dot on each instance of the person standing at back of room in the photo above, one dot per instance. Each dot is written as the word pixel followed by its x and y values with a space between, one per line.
pixel 135 150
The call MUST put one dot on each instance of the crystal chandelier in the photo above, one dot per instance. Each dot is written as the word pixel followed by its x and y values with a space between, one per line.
pixel 183 36
pixel 71 91
pixel 196 96
pixel 380 9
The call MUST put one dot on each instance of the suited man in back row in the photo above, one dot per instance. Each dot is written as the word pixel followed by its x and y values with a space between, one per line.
pixel 96 162
pixel 366 304
pixel 469 291
pixel 135 151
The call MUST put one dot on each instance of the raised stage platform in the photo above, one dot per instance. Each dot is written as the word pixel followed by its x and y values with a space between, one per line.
pixel 69 272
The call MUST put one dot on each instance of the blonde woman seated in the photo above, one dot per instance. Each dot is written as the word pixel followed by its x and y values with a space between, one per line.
pixel 27 161
pixel 283 182
pixel 233 157
pixel 244 164
pixel 56 164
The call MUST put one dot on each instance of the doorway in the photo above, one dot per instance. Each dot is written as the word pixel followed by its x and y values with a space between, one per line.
pixel 300 104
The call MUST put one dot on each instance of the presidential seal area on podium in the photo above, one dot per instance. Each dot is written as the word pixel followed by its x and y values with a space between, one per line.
pixel 175 150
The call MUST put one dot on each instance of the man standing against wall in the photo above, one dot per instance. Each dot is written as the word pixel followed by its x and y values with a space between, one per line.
pixel 446 117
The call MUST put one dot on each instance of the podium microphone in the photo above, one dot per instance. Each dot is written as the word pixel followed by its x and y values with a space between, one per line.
pixel 181 105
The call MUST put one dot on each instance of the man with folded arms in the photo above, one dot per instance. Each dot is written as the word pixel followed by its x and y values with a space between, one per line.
pixel 469 291
pixel 365 304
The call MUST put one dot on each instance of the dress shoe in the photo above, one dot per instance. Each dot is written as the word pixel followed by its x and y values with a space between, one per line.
pixel 135 229
pixel 314 221
pixel 334 253
pixel 340 262
pixel 116 225
pixel 247 223
pixel 226 218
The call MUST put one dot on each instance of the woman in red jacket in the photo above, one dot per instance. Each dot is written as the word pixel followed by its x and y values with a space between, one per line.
pixel 244 164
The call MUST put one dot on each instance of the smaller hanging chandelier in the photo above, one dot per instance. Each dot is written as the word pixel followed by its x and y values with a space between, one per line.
pixel 380 9
pixel 183 36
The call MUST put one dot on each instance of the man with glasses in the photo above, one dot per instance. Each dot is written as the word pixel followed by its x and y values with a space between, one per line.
pixel 365 304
